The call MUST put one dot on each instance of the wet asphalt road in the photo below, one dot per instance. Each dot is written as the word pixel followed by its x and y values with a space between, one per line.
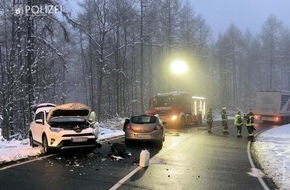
pixel 190 159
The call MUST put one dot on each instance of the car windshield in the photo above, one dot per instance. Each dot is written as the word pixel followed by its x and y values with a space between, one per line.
pixel 163 101
pixel 143 119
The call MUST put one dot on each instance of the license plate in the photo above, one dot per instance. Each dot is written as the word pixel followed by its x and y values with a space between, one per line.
pixel 143 136
pixel 79 139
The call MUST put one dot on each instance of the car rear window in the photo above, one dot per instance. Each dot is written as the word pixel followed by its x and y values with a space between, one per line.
pixel 143 119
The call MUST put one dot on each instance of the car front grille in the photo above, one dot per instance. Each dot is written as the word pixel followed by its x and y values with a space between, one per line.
pixel 78 135
pixel 68 143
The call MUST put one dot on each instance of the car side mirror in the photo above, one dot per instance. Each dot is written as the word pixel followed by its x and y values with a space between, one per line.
pixel 93 117
pixel 39 121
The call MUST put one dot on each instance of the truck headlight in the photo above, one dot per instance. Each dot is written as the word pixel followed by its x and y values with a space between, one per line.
pixel 173 117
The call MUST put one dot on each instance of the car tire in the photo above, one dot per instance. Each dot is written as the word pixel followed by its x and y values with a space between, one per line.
pixel 45 146
pixel 159 144
pixel 31 141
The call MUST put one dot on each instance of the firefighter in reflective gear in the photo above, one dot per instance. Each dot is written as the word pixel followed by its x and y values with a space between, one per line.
pixel 209 119
pixel 225 121
pixel 238 123
pixel 250 125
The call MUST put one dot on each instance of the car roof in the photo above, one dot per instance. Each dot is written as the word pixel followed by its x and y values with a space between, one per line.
pixel 43 107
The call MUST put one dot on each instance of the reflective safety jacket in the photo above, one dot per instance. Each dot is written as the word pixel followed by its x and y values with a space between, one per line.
pixel 250 121
pixel 238 120
pixel 209 117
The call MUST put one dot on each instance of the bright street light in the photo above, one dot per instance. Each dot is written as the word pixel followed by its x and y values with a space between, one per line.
pixel 178 67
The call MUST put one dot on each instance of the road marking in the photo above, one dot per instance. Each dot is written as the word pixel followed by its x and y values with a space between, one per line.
pixel 253 166
pixel 262 182
pixel 21 163
pixel 124 179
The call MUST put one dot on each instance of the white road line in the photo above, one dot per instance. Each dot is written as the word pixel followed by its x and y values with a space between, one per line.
pixel 253 166
pixel 124 179
pixel 263 184
pixel 18 164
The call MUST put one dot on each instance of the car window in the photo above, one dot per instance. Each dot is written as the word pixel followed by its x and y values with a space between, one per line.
pixel 39 115
pixel 143 119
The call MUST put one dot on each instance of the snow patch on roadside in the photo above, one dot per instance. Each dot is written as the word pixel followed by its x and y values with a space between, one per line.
pixel 272 149
pixel 15 150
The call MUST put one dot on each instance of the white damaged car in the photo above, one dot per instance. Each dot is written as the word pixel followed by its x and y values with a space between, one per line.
pixel 71 125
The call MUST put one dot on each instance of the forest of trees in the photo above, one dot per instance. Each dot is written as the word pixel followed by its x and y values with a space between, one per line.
pixel 114 54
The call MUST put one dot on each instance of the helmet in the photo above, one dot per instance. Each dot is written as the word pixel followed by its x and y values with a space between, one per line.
pixel 224 110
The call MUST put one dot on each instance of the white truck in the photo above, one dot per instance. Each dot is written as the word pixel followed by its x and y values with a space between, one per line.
pixel 273 106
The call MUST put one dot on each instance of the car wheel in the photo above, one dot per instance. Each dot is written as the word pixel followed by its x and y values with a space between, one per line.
pixel 31 141
pixel 45 145
pixel 159 144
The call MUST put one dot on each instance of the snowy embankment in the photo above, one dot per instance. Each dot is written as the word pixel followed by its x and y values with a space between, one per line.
pixel 272 150
pixel 15 150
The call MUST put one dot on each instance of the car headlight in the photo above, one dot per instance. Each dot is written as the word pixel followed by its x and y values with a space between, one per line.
pixel 173 117
pixel 56 130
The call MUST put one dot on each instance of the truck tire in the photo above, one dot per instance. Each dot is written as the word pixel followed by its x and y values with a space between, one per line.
pixel 182 122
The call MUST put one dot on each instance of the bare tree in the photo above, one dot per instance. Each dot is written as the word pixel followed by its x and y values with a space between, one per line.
pixel 271 36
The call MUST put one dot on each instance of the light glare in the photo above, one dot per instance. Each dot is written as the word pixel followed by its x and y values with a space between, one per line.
pixel 178 67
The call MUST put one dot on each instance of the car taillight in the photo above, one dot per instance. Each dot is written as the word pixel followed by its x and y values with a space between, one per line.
pixel 158 127
pixel 128 127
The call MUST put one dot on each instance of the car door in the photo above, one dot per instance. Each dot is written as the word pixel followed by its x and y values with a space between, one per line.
pixel 38 126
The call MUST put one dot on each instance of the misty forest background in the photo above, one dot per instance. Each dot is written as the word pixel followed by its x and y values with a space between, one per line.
pixel 115 54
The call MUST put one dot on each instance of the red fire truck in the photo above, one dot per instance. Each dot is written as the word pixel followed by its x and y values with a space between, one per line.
pixel 178 109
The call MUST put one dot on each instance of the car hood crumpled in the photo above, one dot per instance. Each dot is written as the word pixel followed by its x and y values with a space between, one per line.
pixel 69 109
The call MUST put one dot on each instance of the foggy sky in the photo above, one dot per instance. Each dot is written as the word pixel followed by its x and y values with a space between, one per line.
pixel 251 14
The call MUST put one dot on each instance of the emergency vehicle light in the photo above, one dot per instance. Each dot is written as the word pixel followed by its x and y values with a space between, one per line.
pixel 197 97
pixel 173 117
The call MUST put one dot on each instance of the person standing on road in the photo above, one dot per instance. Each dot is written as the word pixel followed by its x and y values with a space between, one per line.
pixel 250 125
pixel 225 121
pixel 209 119
pixel 238 123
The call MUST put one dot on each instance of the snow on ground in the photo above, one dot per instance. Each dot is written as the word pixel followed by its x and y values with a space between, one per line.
pixel 272 149
pixel 111 128
pixel 15 150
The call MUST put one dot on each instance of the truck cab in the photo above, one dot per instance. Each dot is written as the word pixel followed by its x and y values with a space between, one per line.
pixel 177 109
